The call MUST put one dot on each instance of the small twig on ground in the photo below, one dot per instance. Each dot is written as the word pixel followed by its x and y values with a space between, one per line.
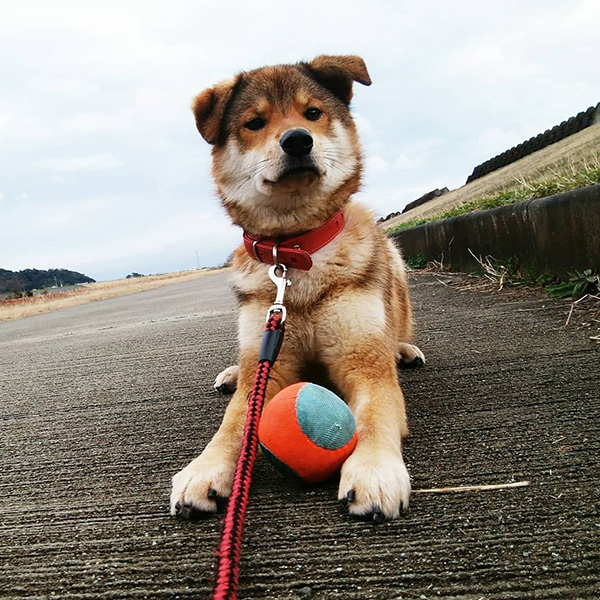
pixel 573 306
pixel 473 488
pixel 570 313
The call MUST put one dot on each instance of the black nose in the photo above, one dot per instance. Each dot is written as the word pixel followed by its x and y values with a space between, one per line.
pixel 296 142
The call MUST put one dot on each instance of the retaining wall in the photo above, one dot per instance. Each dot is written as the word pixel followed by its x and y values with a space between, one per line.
pixel 552 235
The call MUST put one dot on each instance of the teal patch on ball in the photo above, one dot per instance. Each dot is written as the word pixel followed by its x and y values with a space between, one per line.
pixel 324 417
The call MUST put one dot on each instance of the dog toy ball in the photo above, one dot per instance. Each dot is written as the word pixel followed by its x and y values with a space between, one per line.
pixel 307 432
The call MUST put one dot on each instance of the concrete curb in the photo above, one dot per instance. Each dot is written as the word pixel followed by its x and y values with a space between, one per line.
pixel 552 235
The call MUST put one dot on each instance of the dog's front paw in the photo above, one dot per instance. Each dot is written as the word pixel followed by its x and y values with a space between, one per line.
pixel 226 381
pixel 375 485
pixel 202 486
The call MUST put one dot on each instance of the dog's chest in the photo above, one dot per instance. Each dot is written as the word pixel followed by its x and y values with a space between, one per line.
pixel 306 288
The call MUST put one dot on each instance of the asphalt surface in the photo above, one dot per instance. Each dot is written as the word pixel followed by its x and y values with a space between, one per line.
pixel 101 404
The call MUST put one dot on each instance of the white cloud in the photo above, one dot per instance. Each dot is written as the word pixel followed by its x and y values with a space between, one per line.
pixel 23 128
pixel 382 159
pixel 416 155
pixel 494 140
pixel 59 221
pixel 72 164
pixel 364 126
pixel 4 123
pixel 65 86
pixel 178 230
pixel 94 123
pixel 376 165
pixel 394 198
pixel 405 162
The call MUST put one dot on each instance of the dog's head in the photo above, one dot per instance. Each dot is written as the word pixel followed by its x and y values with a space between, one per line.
pixel 285 150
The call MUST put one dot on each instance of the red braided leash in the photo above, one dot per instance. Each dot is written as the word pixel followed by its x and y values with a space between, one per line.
pixel 227 568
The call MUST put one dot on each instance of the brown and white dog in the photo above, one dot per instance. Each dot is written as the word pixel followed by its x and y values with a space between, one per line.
pixel 286 158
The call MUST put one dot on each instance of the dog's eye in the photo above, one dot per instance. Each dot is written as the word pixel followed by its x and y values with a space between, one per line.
pixel 313 114
pixel 255 124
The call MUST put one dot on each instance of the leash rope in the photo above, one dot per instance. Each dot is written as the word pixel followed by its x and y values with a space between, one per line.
pixel 227 567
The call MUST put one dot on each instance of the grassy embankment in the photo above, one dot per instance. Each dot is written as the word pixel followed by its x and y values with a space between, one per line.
pixel 563 178
pixel 570 175
pixel 91 292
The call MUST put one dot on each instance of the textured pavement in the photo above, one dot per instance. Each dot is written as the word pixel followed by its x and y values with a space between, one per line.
pixel 101 404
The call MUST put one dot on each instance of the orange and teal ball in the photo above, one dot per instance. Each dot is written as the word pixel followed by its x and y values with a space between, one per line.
pixel 307 432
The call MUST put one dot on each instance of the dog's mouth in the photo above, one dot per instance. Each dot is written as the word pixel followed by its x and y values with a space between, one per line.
pixel 296 175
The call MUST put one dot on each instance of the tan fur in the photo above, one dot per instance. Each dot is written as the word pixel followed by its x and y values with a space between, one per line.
pixel 351 312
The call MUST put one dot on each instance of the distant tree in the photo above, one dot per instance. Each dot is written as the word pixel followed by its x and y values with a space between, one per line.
pixel 31 279
pixel 134 274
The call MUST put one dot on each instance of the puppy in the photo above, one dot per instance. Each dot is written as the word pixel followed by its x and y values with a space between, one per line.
pixel 286 162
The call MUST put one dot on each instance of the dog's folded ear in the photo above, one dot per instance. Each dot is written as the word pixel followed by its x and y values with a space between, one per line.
pixel 209 108
pixel 337 73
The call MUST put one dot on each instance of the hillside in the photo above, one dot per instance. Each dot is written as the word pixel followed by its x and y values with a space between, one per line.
pixel 559 132
pixel 35 279
pixel 573 148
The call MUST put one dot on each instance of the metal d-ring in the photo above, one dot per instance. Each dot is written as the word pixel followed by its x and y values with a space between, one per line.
pixel 275 253
pixel 254 244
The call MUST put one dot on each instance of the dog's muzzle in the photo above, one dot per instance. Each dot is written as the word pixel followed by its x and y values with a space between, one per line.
pixel 296 143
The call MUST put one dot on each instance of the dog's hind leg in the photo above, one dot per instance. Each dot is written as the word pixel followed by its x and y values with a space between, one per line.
pixel 399 311
pixel 226 381
pixel 409 356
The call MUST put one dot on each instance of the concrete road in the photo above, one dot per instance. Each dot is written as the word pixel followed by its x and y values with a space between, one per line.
pixel 101 404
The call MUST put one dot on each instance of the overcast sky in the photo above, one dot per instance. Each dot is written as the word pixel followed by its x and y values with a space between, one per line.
pixel 102 170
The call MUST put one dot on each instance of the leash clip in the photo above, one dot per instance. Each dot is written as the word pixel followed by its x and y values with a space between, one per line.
pixel 281 281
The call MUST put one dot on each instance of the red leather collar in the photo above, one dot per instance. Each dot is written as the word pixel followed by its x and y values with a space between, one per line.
pixel 294 252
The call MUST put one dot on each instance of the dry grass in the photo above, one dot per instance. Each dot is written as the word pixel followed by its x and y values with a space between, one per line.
pixel 91 292
pixel 539 165
pixel 585 314
pixel 494 278
pixel 572 175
